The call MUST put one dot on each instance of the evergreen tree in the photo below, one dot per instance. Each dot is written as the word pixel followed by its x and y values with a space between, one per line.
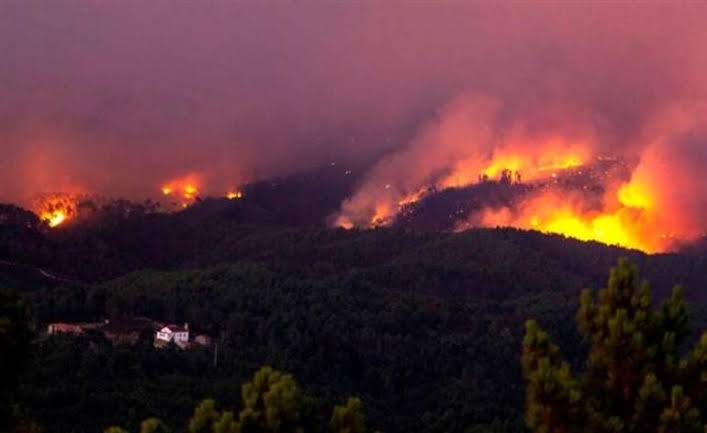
pixel 271 403
pixel 634 379
pixel 205 415
pixel 348 418
pixel 226 424
pixel 114 429
pixel 153 425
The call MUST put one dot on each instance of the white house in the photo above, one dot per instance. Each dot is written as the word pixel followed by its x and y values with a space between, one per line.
pixel 179 335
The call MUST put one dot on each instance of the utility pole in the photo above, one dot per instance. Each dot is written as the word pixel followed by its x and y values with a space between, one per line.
pixel 216 355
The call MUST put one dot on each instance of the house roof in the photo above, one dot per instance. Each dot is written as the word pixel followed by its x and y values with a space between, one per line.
pixel 128 325
pixel 66 327
pixel 177 328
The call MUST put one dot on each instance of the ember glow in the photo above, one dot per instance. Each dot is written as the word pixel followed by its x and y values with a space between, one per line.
pixel 56 209
pixel 182 191
pixel 234 195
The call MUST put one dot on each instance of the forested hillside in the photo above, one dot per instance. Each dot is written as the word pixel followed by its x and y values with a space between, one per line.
pixel 425 328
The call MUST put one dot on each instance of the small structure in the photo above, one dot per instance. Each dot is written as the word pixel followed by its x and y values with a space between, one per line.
pixel 64 328
pixel 176 334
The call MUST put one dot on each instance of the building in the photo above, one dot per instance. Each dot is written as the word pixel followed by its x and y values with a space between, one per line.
pixel 176 334
pixel 64 328
pixel 128 329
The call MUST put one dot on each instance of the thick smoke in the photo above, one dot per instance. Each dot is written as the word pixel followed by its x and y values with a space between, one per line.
pixel 672 167
pixel 118 97
pixel 462 142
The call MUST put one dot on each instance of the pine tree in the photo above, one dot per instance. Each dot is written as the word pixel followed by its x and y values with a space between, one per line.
pixel 205 415
pixel 114 429
pixel 153 425
pixel 634 379
pixel 348 418
pixel 226 424
pixel 271 403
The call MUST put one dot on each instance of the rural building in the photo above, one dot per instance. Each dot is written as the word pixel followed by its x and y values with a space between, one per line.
pixel 64 328
pixel 128 330
pixel 176 334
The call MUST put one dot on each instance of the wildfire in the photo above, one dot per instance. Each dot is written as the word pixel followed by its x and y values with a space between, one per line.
pixel 532 160
pixel 635 195
pixel 234 195
pixel 624 218
pixel 513 163
pixel 184 191
pixel 382 215
pixel 56 209
pixel 412 198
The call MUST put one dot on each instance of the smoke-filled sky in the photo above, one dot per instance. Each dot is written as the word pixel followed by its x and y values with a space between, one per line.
pixel 115 97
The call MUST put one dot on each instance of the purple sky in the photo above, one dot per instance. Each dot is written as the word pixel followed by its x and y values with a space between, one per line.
pixel 117 96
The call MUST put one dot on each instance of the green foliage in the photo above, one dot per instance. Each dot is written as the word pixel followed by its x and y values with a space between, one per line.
pixel 348 418
pixel 271 403
pixel 153 425
pixel 425 327
pixel 634 379
pixel 205 415
pixel 114 429
pixel 226 423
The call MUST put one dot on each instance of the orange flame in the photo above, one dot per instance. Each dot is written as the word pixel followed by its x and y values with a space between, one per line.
pixel 655 205
pixel 518 160
pixel 184 190
pixel 532 160
pixel 412 198
pixel 56 209
pixel 623 219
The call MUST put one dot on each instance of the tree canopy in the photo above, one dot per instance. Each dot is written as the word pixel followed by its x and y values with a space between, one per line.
pixel 636 377
pixel 271 403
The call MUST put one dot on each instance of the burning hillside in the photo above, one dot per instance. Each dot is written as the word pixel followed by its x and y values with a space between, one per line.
pixel 182 192
pixel 648 197
pixel 56 209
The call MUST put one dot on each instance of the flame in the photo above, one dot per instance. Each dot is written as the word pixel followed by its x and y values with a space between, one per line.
pixel 515 162
pixel 650 196
pixel 412 198
pixel 184 190
pixel 635 195
pixel 526 160
pixel 234 195
pixel 622 219
pixel 189 191
pixel 344 223
pixel 569 161
pixel 382 215
pixel 56 209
